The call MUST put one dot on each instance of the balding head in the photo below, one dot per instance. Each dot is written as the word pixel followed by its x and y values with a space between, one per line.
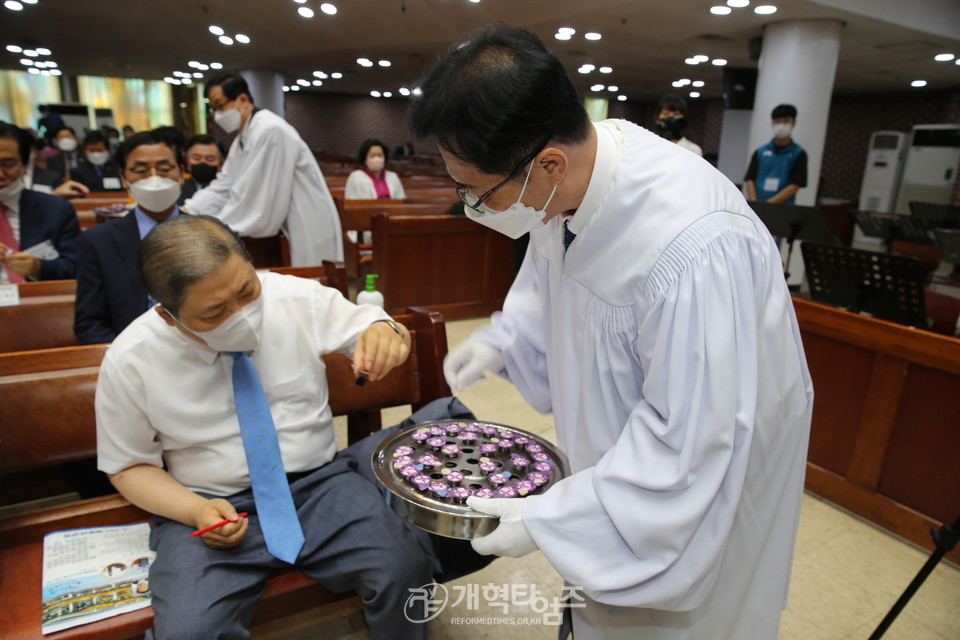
pixel 181 251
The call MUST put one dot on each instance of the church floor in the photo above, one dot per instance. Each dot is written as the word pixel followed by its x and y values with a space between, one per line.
pixel 846 574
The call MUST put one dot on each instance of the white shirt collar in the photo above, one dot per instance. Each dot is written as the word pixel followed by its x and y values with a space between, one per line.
pixel 610 146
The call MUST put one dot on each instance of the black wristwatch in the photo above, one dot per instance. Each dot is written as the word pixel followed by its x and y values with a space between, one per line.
pixel 395 326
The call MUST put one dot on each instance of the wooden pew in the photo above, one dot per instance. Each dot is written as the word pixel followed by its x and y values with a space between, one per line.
pixel 447 263
pixel 417 382
pixel 44 317
pixel 885 441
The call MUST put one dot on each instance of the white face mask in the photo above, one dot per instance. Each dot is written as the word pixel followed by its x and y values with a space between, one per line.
pixel 516 220
pixel 12 191
pixel 67 145
pixel 98 158
pixel 782 131
pixel 239 332
pixel 228 119
pixel 155 194
pixel 376 163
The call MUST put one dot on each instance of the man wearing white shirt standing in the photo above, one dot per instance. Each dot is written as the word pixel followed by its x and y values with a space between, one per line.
pixel 270 182
pixel 652 318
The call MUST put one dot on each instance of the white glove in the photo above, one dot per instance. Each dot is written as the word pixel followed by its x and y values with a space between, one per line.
pixel 511 537
pixel 465 364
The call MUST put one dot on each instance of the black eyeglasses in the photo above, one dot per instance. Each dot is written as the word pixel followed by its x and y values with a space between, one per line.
pixel 475 202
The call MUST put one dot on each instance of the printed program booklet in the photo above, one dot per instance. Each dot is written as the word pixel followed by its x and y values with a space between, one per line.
pixel 94 573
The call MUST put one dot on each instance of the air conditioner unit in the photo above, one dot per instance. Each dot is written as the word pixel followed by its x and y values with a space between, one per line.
pixel 881 177
pixel 929 172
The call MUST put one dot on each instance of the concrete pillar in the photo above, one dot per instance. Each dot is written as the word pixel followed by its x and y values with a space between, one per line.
pixel 266 88
pixel 798 64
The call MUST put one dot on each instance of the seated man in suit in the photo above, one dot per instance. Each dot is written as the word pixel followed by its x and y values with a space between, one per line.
pixel 203 157
pixel 38 232
pixel 66 158
pixel 109 292
pixel 96 170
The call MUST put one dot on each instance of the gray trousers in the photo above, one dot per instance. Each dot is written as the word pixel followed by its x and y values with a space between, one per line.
pixel 353 542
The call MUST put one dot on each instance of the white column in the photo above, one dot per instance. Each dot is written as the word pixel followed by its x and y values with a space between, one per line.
pixel 798 63
pixel 266 88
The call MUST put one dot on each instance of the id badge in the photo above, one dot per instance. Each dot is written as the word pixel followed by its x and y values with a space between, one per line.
pixel 44 251
pixel 771 184
pixel 112 183
pixel 9 295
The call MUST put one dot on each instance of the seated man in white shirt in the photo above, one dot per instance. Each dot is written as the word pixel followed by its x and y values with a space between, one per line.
pixel 174 438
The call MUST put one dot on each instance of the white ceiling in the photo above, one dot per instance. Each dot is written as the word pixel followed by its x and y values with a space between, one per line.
pixel 645 42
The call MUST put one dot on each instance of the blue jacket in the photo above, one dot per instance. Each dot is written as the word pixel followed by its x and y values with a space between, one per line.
pixel 774 166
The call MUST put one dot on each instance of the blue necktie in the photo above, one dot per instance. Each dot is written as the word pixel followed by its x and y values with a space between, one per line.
pixel 568 236
pixel 271 492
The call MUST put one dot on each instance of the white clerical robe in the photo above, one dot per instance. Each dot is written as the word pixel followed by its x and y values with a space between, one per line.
pixel 271 183
pixel 665 343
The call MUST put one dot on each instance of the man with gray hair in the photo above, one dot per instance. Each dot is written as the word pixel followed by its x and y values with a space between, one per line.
pixel 216 405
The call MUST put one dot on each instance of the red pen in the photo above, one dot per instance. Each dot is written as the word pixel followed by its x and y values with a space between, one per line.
pixel 200 532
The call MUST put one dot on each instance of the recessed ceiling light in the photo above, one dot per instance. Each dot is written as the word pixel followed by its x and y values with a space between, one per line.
pixel 562 36
pixel 13 5
pixel 328 9
pixel 691 61
pixel 45 73
pixel 317 83
pixel 186 81
pixel 306 12
pixel 568 30
pixel 586 68
pixel 738 4
pixel 606 69
pixel 300 1
pixel 52 64
pixel 203 67
pixel 336 75
pixel 416 91
pixel 242 39
pixel 701 58
pixel 718 62
pixel 180 73
pixel 227 40
pixel 215 30
pixel 286 88
pixel 944 57
pixel 404 91
pixel 694 94
pixel 622 98
pixel 320 74
pixel 677 84
pixel 957 61
pixel 764 9
pixel 44 51
pixel 613 88
pixel 375 94
pixel 384 63
pixel 389 94
pixel 918 83
pixel 30 53
pixel 193 64
pixel 364 62
pixel 40 65
pixel 597 87
pixel 303 83
pixel 684 81
pixel 197 75
pixel 33 70
pixel 56 72
pixel 26 62
pixel 697 83
pixel 295 87
pixel 216 65
pixel 593 35
pixel 12 48
pixel 29 1
pixel 720 10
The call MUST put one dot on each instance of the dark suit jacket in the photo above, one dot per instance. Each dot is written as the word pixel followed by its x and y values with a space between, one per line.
pixel 47 217
pixel 109 293
pixel 46 177
pixel 187 191
pixel 86 173
pixel 55 163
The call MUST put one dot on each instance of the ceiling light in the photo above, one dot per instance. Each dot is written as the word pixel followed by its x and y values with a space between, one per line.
pixel 216 65
pixel 193 64
pixel 918 83
pixel 718 62
pixel 242 39
pixel 475 1
pixel 606 69
pixel 306 12
pixel 215 30
pixel 720 10
pixel 597 87
pixel 227 40
pixel 586 68
pixel 45 73
pixel 416 91
pixel 181 73
pixel 203 67
pixel 677 84
pixel 694 94
pixel 40 65
pixel 12 48
pixel 613 88
pixel 286 88
pixel 622 98
pixel 29 1
pixel 52 64
pixel 764 9
pixel 317 83
pixel 567 30
pixel 187 81
pixel 44 51
pixel 593 35
pixel 957 61
pixel 303 83
pixel 30 53
pixel 320 74
pixel 738 4
pixel 943 57
pixel 404 91
pixel 295 87
pixel 300 1
pixel 31 69
pixel 328 9
pixel 701 58
pixel 684 81
pixel 691 61
pixel 56 72
pixel 384 63
pixel 26 62
pixel 562 36
pixel 336 76
pixel 697 83
pixel 389 94
pixel 375 94
pixel 197 75
pixel 13 5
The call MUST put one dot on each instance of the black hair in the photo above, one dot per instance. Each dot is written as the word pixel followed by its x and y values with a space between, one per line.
pixel 173 134
pixel 178 252
pixel 95 137
pixel 672 100
pixel 231 83
pixel 23 139
pixel 108 130
pixel 784 111
pixel 368 144
pixel 142 138
pixel 204 138
pixel 70 129
pixel 494 96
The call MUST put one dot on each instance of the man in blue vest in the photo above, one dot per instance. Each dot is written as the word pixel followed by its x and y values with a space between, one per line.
pixel 779 168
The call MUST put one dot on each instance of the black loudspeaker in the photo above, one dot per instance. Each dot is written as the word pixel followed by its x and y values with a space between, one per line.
pixel 739 86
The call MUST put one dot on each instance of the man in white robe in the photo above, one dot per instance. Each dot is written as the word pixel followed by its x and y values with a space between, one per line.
pixel 652 318
pixel 270 182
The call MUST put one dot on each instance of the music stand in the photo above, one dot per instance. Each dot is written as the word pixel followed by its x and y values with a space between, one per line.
pixel 794 222
pixel 884 285
pixel 934 216
pixel 891 227
pixel 949 240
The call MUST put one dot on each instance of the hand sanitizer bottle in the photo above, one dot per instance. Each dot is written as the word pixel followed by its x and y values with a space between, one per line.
pixel 370 295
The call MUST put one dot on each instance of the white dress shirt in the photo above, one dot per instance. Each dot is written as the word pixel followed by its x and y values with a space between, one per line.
pixel 164 398
pixel 664 342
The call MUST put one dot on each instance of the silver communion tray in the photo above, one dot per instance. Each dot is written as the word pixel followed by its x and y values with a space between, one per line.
pixel 501 461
